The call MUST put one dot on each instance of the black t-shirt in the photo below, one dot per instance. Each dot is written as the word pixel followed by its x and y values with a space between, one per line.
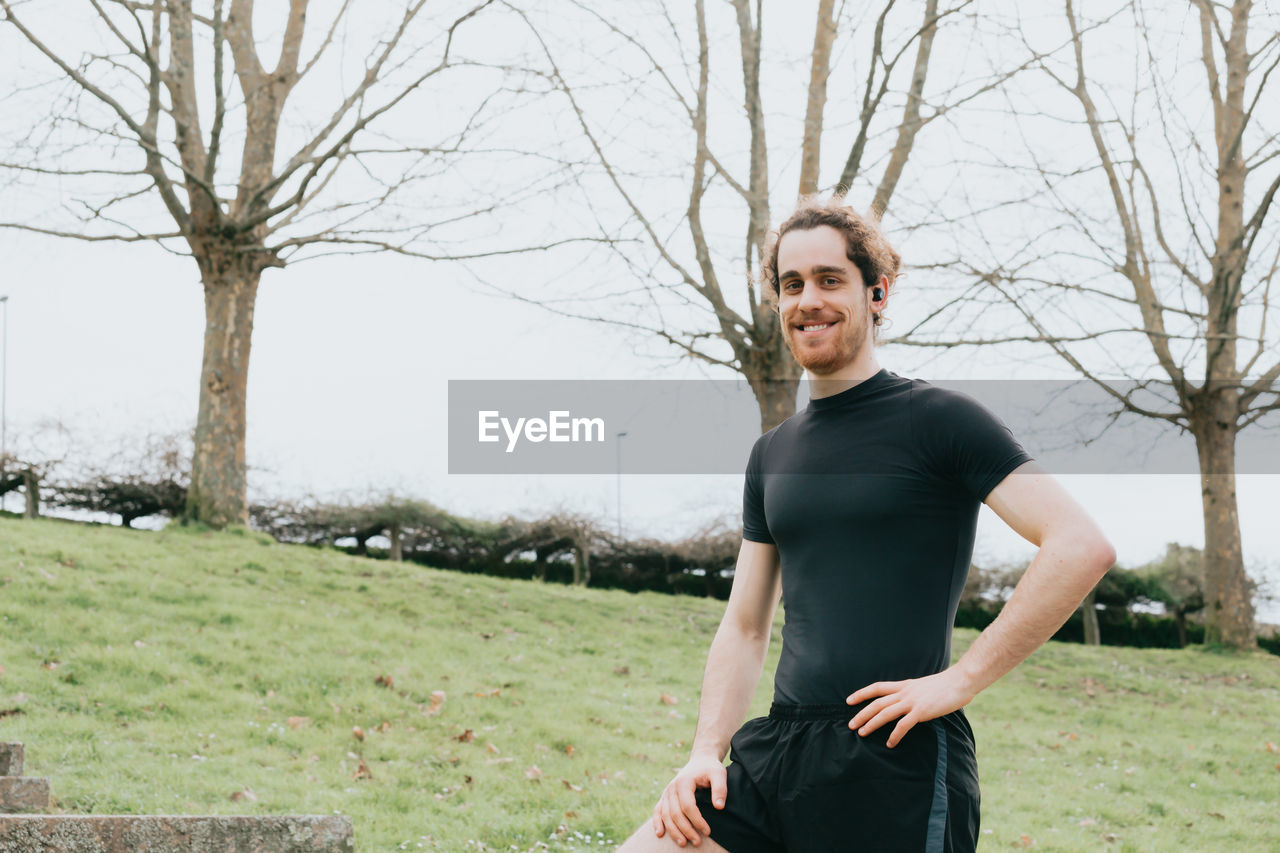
pixel 871 496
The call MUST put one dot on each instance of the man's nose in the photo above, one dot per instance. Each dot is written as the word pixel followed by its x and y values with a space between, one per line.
pixel 810 297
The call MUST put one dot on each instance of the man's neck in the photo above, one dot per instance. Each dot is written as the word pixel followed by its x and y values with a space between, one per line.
pixel 856 371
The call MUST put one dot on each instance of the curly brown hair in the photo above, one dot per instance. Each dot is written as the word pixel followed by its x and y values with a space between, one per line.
pixel 867 247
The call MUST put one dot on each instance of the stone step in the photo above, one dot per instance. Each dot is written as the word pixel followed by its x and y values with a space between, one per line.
pixel 23 794
pixel 11 755
pixel 175 834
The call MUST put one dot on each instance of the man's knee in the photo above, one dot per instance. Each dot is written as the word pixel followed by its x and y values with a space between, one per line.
pixel 644 841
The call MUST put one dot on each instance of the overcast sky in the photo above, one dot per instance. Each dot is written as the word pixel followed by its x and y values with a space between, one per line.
pixel 347 390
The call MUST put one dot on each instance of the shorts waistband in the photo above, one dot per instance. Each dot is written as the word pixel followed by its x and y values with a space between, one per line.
pixel 779 711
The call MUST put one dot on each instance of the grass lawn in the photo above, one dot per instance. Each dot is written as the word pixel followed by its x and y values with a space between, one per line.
pixel 223 673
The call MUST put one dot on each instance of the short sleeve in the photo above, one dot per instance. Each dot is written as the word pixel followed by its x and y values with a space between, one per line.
pixel 964 441
pixel 754 525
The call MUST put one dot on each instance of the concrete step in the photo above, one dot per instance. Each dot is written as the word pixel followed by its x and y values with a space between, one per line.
pixel 23 794
pixel 11 755
pixel 175 834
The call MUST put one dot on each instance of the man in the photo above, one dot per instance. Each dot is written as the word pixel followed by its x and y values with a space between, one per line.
pixel 861 509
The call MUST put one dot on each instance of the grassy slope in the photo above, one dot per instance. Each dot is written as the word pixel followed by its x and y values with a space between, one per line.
pixel 158 672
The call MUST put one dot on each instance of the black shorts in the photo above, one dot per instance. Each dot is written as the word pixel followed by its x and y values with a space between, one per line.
pixel 801 780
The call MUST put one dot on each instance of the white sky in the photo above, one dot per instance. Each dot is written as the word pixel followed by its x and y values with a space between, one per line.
pixel 347 389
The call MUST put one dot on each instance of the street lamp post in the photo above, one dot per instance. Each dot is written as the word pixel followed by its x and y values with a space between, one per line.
pixel 618 443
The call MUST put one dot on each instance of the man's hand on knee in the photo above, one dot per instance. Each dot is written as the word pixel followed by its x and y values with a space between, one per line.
pixel 677 813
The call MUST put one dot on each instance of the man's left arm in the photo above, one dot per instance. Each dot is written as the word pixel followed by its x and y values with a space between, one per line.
pixel 1074 555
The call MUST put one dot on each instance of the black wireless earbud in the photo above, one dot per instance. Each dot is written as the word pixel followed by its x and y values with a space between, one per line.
pixel 877 294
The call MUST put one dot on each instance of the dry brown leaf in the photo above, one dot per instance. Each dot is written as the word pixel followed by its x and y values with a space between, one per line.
pixel 363 772
pixel 480 694
pixel 384 727
pixel 622 670
pixel 437 699
pixel 572 787
pixel 568 749
pixel 534 773
pixel 492 748
pixel 296 723
pixel 1271 747
pixel 466 737
pixel 247 795
pixel 384 681
pixel 668 699
pixel 1024 840
pixel 357 733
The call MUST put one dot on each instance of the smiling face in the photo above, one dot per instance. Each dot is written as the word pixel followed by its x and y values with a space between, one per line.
pixel 822 301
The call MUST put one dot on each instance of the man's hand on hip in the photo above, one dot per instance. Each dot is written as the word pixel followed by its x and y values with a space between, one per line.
pixel 914 700
pixel 677 813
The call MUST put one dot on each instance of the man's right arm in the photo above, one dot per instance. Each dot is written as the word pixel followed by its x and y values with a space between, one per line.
pixel 733 670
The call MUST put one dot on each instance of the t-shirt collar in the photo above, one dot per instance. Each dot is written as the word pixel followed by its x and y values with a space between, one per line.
pixel 857 392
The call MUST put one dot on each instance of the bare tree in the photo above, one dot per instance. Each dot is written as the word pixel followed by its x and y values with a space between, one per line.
pixel 151 115
pixel 1150 255
pixel 678 261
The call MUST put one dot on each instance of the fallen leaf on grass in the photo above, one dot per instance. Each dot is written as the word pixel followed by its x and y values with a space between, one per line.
pixel 1271 747
pixel 480 694
pixel 568 749
pixel 296 723
pixel 437 699
pixel 51 664
pixel 1024 840
pixel 466 737
pixel 384 681
pixel 357 733
pixel 668 699
pixel 363 772
pixel 622 670
pixel 247 795
pixel 533 773
pixel 9 712
pixel 571 786
pixel 492 748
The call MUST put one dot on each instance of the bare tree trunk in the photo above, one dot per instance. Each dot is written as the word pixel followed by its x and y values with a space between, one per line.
pixel 581 562
pixel 911 122
pixel 217 493
pixel 1229 613
pixel 1180 621
pixel 31 488
pixel 397 544
pixel 1092 635
pixel 776 398
pixel 824 37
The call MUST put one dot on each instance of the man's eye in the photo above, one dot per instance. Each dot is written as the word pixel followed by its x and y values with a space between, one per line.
pixel 830 280
pixel 791 285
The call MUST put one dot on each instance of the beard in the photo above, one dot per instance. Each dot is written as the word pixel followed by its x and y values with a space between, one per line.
pixel 833 354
